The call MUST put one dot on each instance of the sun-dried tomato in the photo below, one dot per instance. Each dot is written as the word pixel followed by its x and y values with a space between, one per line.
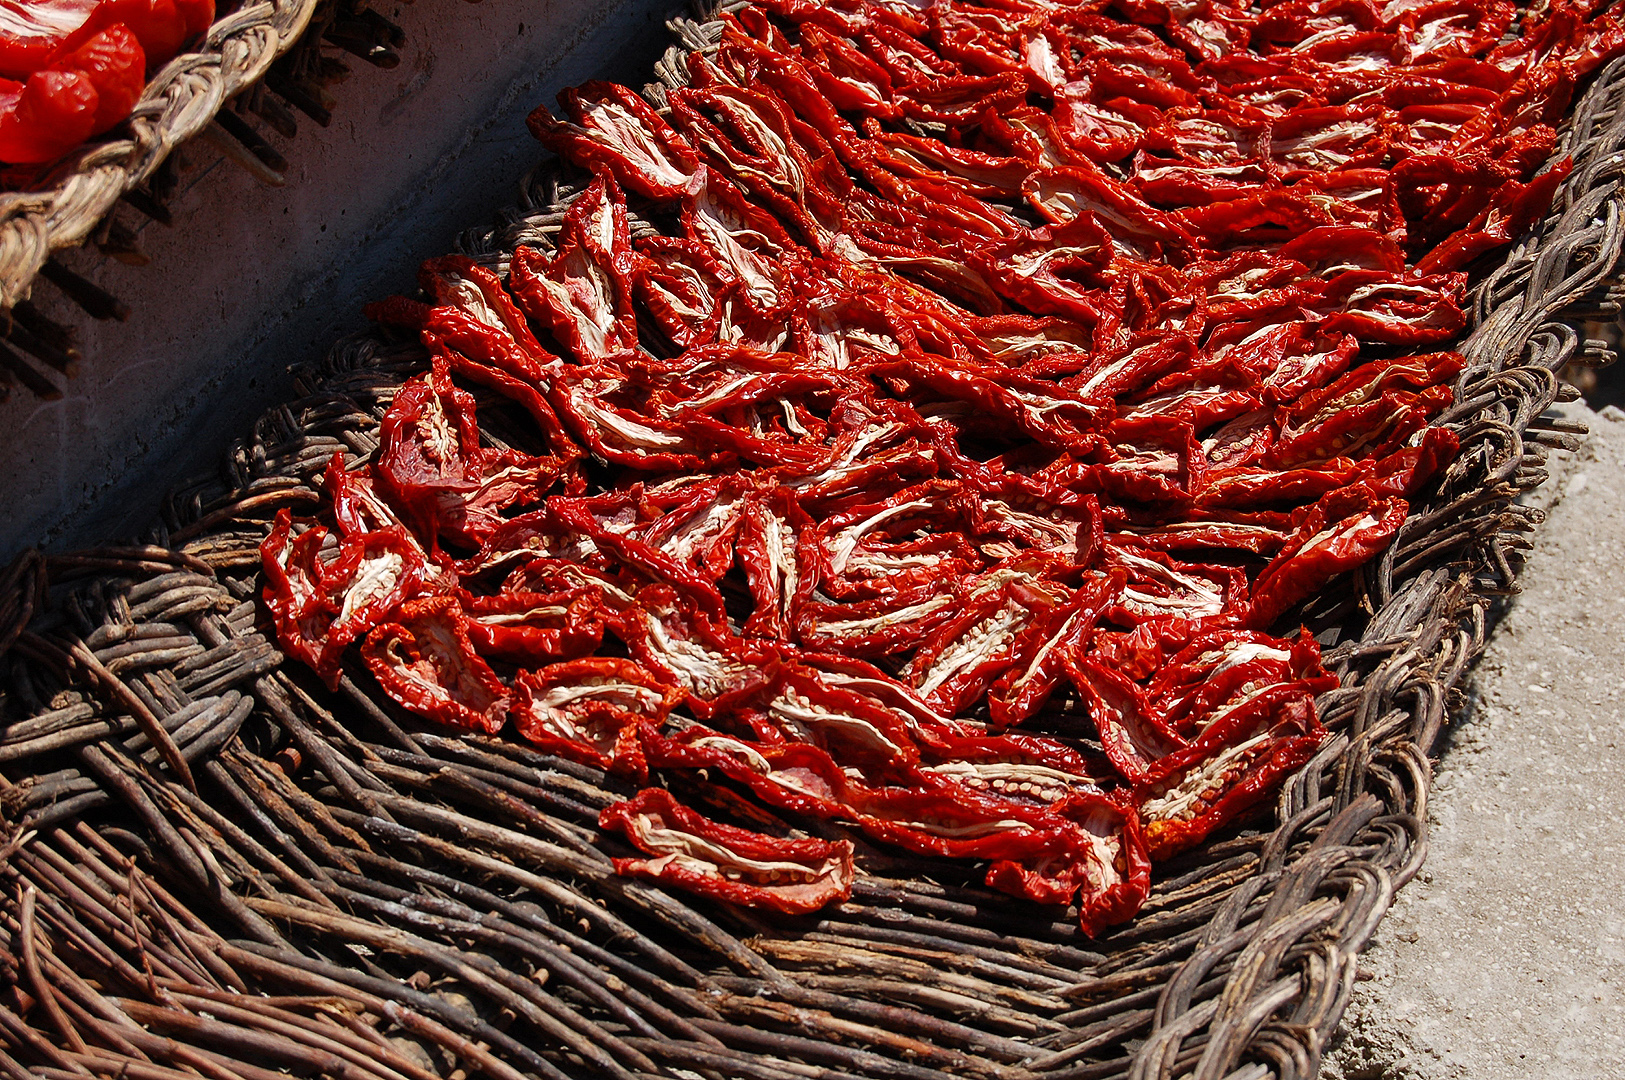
pixel 591 710
pixel 610 129
pixel 321 607
pixel 726 862
pixel 975 371
pixel 424 660
pixel 583 291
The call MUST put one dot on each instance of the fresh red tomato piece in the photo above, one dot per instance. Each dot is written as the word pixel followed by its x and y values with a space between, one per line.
pixel 34 32
pixel 54 112
pixel 116 66
pixel 198 15
pixel 159 25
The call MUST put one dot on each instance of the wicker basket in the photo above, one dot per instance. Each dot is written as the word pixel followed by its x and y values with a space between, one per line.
pixel 216 866
pixel 179 102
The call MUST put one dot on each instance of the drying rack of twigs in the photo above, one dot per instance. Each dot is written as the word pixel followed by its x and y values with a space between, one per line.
pixel 213 866
pixel 262 60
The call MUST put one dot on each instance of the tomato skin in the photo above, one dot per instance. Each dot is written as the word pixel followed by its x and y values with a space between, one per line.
pixel 40 34
pixel 116 65
pixel 76 68
pixel 157 23
pixel 33 33
pixel 55 111
pixel 197 14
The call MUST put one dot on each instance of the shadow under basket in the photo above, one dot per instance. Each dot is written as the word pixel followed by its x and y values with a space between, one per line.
pixel 261 62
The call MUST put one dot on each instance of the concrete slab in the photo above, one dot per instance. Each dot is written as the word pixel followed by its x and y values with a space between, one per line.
pixel 253 279
pixel 1506 957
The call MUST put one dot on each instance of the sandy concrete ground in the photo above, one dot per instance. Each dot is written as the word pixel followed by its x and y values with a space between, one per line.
pixel 1506 956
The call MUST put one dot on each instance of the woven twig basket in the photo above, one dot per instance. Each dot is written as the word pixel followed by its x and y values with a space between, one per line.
pixel 178 103
pixel 314 881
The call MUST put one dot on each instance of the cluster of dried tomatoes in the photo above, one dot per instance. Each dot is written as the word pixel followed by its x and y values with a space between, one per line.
pixel 971 366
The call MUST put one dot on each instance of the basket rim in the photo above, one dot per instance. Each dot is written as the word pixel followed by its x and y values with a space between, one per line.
pixel 183 98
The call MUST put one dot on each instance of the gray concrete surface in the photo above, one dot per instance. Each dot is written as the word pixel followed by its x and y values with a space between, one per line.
pixel 1506 957
pixel 253 279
